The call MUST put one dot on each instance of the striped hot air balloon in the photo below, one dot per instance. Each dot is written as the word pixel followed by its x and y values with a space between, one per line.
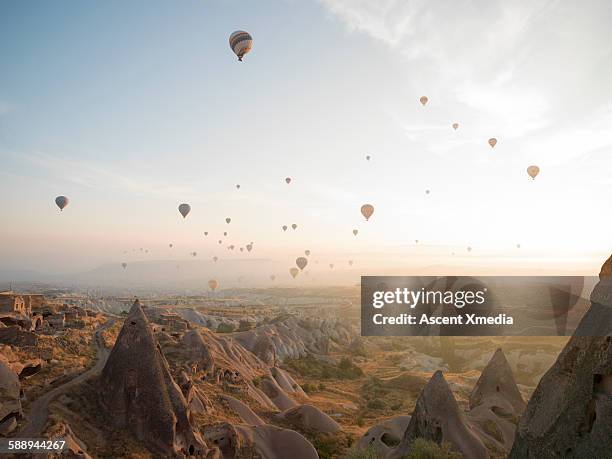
pixel 241 43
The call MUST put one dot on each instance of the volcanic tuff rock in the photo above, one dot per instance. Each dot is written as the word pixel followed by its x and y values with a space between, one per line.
pixel 437 417
pixel 138 392
pixel 279 397
pixel 213 355
pixel 243 411
pixel 496 404
pixel 310 419
pixel 287 383
pixel 496 380
pixel 570 412
pixel 290 336
pixel 265 441
pixel 10 403
pixel 385 436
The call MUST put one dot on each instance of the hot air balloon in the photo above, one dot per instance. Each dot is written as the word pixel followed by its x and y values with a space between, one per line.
pixel 241 43
pixel 184 209
pixel 355 232
pixel 61 202
pixel 416 241
pixel 533 171
pixel 307 253
pixel 205 233
pixel 170 245
pixel 368 157
pixel 294 226
pixel 455 126
pixel 284 227
pixel 367 210
pixel 220 241
pixel 294 272
pixel 124 265
pixel 228 220
pixel 225 233
pixel 195 254
pixel 215 259
pixel 288 180
pixel 350 262
pixel 469 249
pixel 301 262
pixel 518 246
pixel 249 247
pixel 426 191
pixel 423 100
pixel 272 277
pixel 238 186
pixel 331 266
pixel 492 141
pixel 213 284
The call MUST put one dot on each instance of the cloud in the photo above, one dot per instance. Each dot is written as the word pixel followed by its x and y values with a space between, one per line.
pixel 5 108
pixel 93 175
pixel 528 70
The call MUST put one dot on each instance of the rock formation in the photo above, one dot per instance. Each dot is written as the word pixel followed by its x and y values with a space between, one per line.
pixel 215 356
pixel 308 418
pixel 139 394
pixel 10 403
pixel 385 436
pixel 497 380
pixel 275 393
pixel 496 404
pixel 290 336
pixel 253 441
pixel 570 412
pixel 245 413
pixel 437 417
pixel 287 383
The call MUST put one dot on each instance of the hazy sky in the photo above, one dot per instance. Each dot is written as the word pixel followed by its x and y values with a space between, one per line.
pixel 130 108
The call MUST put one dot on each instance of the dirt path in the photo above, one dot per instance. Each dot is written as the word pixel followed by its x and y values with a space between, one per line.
pixel 39 409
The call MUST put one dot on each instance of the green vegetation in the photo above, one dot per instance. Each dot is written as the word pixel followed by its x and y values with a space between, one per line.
pixel 244 326
pixel 363 453
pixel 309 388
pixel 376 404
pixel 420 449
pixel 319 369
pixel 330 445
pixel 426 449
pixel 373 388
pixel 225 328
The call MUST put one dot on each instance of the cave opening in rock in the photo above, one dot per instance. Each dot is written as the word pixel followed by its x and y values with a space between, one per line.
pixel 390 440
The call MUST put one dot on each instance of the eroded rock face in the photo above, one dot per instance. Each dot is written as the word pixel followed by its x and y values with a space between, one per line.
pixel 139 394
pixel 10 403
pixel 255 441
pixel 279 397
pixel 437 417
pixel 385 436
pixel 496 404
pixel 570 412
pixel 75 448
pixel 310 419
pixel 497 380
pixel 293 337
pixel 216 356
